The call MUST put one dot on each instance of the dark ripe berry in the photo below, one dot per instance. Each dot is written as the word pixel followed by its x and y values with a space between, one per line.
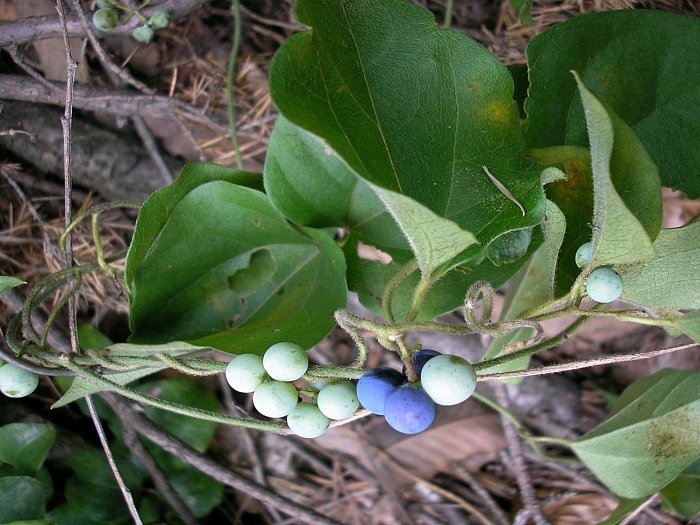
pixel 420 358
pixel 375 385
pixel 409 410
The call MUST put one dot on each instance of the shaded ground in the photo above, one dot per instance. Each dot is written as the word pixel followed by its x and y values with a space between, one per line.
pixel 464 469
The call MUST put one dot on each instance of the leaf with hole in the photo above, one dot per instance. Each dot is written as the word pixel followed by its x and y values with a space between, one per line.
pixel 215 264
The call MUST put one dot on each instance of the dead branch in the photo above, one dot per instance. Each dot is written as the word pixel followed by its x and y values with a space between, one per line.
pixel 36 28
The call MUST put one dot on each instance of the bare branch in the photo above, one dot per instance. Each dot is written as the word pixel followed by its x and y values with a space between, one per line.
pixel 31 29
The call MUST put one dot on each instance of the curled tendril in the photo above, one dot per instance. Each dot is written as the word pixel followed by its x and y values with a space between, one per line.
pixel 483 324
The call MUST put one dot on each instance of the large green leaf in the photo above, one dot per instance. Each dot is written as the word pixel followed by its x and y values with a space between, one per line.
pixel 619 236
pixel 671 281
pixel 644 65
pixel 26 445
pixel 21 498
pixel 413 109
pixel 650 437
pixel 217 265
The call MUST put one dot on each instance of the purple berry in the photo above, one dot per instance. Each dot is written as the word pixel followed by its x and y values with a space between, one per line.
pixel 375 385
pixel 409 410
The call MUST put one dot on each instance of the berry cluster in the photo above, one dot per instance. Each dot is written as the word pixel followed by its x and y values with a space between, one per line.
pixel 106 18
pixel 604 284
pixel 410 407
pixel 15 381
pixel 270 379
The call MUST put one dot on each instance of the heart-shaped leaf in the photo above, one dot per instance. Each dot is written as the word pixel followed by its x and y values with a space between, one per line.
pixel 650 437
pixel 413 109
pixel 644 65
pixel 217 265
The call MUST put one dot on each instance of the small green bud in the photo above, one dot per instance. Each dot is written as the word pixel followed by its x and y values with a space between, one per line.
pixel 159 20
pixel 105 19
pixel 143 34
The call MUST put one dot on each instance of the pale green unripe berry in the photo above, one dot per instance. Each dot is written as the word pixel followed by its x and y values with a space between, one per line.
pixel 307 421
pixel 286 361
pixel 245 373
pixel 583 255
pixel 448 379
pixel 159 20
pixel 338 399
pixel 104 4
pixel 105 19
pixel 604 285
pixel 143 34
pixel 17 382
pixel 275 398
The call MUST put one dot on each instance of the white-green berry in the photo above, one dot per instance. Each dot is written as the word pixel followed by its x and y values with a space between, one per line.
pixel 286 361
pixel 604 285
pixel 307 421
pixel 448 379
pixel 16 381
pixel 159 20
pixel 105 19
pixel 245 373
pixel 338 399
pixel 583 255
pixel 275 398
pixel 143 34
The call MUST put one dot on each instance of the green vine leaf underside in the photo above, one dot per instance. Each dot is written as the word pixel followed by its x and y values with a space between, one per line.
pixel 618 235
pixel 672 281
pixel 650 437
pixel 215 264
pixel 413 109
pixel 643 65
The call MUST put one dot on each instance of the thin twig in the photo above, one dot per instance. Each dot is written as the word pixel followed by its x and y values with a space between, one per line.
pixel 152 148
pixel 102 54
pixel 231 79
pixel 515 448
pixel 208 466
pixel 498 514
pixel 66 121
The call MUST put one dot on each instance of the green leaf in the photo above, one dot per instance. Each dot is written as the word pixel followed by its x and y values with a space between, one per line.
pixel 21 498
pixel 91 338
pixel 618 236
pixel 26 445
pixel 643 65
pixel 197 434
pixel 682 493
pixel 415 110
pixel 524 8
pixel 671 281
pixel 650 437
pixel 81 387
pixel 187 283
pixel 7 283
pixel 690 325
pixel 435 241
pixel 200 493
pixel 155 214
pixel 311 185
pixel 554 229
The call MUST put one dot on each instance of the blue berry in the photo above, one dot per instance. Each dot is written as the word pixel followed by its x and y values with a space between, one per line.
pixel 375 385
pixel 409 410
pixel 420 358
